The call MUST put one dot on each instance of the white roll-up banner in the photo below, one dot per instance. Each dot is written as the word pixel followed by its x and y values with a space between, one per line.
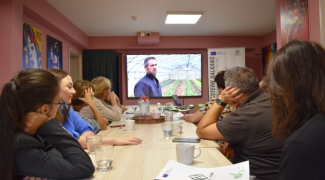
pixel 221 59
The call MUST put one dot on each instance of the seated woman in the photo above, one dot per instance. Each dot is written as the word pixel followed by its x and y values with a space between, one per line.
pixel 83 98
pixel 73 123
pixel 103 94
pixel 297 87
pixel 197 116
pixel 33 143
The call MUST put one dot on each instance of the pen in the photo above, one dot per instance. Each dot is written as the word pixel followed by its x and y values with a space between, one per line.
pixel 115 126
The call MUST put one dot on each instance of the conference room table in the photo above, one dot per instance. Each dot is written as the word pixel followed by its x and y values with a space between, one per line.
pixel 144 161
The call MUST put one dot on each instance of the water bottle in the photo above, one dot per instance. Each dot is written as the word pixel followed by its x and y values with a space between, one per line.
pixel 144 105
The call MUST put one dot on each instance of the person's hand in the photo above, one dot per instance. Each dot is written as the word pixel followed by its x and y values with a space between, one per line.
pixel 183 117
pixel 127 140
pixel 34 178
pixel 88 99
pixel 32 121
pixel 231 95
pixel 111 97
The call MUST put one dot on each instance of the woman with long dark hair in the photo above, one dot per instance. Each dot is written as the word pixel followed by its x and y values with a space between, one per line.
pixel 296 80
pixel 33 143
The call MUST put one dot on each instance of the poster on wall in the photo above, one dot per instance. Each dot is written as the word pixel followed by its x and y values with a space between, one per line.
pixel 54 53
pixel 31 46
pixel 221 59
pixel 267 55
pixel 294 20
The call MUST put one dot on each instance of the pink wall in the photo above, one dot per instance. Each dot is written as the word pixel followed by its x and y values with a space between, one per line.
pixel 42 15
pixel 269 38
pixel 314 22
pixel 180 44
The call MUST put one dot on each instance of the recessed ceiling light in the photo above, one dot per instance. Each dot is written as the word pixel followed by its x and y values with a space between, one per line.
pixel 183 17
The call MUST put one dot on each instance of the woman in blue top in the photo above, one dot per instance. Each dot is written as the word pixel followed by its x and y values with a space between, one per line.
pixel 73 123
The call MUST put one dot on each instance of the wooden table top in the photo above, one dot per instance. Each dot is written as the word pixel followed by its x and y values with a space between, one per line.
pixel 146 160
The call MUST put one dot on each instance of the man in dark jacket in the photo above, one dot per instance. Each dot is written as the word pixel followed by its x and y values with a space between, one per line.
pixel 148 85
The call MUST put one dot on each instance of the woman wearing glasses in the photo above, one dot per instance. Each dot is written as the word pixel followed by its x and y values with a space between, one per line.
pixel 72 122
pixel 33 143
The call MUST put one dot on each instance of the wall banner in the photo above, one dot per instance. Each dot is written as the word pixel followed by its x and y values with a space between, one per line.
pixel 221 59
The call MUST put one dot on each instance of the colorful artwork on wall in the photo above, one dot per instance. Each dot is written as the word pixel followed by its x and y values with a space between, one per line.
pixel 54 53
pixel 31 46
pixel 267 55
pixel 294 20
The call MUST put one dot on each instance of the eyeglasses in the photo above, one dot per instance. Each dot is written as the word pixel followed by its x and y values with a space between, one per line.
pixel 61 103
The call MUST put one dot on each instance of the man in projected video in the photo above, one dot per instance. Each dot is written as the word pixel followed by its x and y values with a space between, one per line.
pixel 148 85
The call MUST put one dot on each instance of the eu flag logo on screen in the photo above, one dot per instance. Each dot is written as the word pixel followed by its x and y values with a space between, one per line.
pixel 213 53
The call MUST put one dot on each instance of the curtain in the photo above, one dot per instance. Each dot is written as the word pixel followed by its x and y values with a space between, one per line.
pixel 101 63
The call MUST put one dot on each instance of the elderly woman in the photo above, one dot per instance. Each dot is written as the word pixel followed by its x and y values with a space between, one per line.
pixel 83 98
pixel 297 86
pixel 103 94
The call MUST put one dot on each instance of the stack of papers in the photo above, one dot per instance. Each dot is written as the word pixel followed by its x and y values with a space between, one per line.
pixel 177 171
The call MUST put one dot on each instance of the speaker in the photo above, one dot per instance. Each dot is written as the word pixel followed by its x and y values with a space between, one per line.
pixel 148 38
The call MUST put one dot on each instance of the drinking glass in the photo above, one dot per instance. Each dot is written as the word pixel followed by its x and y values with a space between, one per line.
pixel 167 129
pixel 104 156
pixel 92 141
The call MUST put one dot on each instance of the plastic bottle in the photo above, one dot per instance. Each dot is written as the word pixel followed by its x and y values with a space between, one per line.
pixel 144 105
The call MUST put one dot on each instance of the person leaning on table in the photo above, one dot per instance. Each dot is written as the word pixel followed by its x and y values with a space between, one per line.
pixel 33 143
pixel 247 130
pixel 197 116
pixel 297 85
pixel 73 123
pixel 83 98
pixel 102 94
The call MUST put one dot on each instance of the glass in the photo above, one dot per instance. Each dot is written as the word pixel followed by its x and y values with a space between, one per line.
pixel 167 129
pixel 104 156
pixel 93 141
pixel 61 103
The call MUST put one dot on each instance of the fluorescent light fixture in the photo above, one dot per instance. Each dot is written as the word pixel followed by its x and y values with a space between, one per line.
pixel 183 17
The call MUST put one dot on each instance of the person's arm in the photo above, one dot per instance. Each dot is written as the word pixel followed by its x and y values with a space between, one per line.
pixel 113 113
pixel 89 101
pixel 63 159
pixel 207 128
pixel 121 140
pixel 193 118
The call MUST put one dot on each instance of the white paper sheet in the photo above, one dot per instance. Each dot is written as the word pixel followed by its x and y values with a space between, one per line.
pixel 177 171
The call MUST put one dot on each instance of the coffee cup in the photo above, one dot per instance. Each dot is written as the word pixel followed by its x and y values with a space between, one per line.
pixel 128 125
pixel 185 153
pixel 177 127
pixel 156 115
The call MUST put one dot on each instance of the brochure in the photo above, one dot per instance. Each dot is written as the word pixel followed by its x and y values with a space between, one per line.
pixel 177 171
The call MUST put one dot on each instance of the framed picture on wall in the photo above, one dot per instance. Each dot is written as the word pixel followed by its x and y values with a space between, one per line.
pixel 31 47
pixel 294 20
pixel 54 53
pixel 267 55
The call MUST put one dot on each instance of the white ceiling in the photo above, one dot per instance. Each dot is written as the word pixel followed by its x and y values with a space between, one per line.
pixel 220 17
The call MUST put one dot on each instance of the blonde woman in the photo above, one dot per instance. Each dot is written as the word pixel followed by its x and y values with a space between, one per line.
pixel 103 94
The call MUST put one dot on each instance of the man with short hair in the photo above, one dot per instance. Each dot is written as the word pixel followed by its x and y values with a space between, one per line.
pixel 248 130
pixel 148 85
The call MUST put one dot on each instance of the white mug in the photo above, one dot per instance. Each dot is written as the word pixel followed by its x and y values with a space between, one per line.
pixel 156 115
pixel 185 153
pixel 128 125
pixel 177 127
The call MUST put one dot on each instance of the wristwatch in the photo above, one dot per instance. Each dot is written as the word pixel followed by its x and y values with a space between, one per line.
pixel 219 102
